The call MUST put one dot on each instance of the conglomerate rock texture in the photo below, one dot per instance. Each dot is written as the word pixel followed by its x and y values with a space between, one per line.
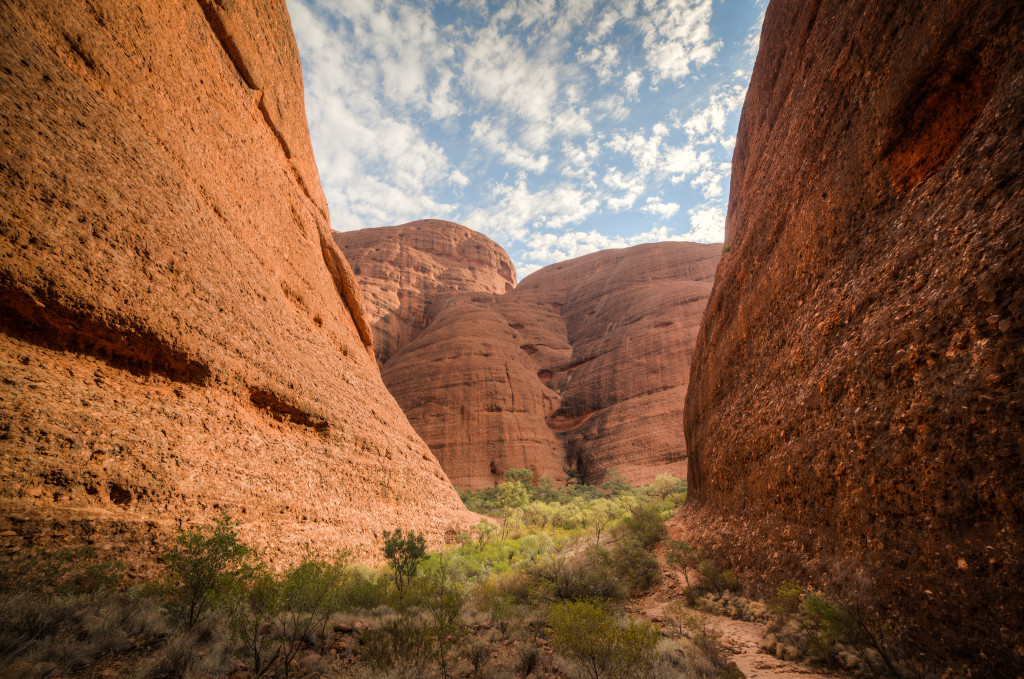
pixel 582 366
pixel 403 268
pixel 855 417
pixel 180 335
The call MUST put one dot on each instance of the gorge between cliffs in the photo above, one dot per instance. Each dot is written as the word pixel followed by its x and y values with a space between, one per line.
pixel 237 442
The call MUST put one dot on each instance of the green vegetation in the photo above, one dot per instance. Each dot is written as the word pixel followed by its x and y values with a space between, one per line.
pixel 404 555
pixel 831 633
pixel 537 589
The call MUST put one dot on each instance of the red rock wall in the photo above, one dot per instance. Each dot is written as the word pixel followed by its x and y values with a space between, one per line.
pixel 583 365
pixel 180 336
pixel 855 417
pixel 403 268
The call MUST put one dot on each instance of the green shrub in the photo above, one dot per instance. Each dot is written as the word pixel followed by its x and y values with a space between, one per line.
pixel 363 591
pixel 401 640
pixel 310 592
pixel 588 576
pixel 404 554
pixel 61 571
pixel 635 566
pixel 202 565
pixel 254 607
pixel 680 555
pixel 646 524
pixel 714 579
pixel 590 637
pixel 443 601
pixel 527 658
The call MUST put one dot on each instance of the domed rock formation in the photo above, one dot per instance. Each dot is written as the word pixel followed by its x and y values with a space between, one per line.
pixel 402 269
pixel 180 335
pixel 582 366
pixel 855 416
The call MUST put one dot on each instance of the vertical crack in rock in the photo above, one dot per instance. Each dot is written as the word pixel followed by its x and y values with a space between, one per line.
pixel 347 287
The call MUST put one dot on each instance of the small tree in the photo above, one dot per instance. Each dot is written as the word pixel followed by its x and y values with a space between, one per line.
pixel 483 532
pixel 310 592
pixel 202 565
pixel 683 556
pixel 443 601
pixel 597 644
pixel 404 554
pixel 512 495
pixel 254 607
pixel 614 483
pixel 666 484
pixel 523 476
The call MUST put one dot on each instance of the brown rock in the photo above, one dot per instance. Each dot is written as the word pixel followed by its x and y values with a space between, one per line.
pixel 403 269
pixel 180 336
pixel 583 365
pixel 854 421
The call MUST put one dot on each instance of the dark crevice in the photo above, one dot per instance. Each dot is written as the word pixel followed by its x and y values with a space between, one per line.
pixel 226 43
pixel 52 323
pixel 282 411
pixel 348 288
pixel 76 47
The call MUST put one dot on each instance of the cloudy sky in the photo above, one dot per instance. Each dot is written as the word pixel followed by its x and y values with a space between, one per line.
pixel 556 127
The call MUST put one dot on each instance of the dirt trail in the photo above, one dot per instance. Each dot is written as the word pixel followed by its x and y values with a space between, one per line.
pixel 740 639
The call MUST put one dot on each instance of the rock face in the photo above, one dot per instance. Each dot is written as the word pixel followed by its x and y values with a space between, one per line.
pixel 403 268
pixel 582 366
pixel 855 417
pixel 180 335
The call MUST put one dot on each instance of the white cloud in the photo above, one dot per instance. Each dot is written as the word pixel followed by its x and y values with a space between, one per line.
pixel 602 59
pixel 707 126
pixel 707 224
pixel 654 206
pixel 515 209
pixel 493 139
pixel 677 34
pixel 631 83
pixel 554 247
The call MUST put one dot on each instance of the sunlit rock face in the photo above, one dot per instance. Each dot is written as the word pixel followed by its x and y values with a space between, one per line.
pixel 180 335
pixel 855 416
pixel 583 365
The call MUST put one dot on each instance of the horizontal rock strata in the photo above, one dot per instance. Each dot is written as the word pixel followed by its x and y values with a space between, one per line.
pixel 180 335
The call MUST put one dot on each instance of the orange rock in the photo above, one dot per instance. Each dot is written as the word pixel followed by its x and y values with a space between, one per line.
pixel 180 335
pixel 583 365
pixel 855 415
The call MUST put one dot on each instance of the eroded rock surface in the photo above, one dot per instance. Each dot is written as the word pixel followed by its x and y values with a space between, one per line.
pixel 180 335
pixel 855 416
pixel 583 365
pixel 402 269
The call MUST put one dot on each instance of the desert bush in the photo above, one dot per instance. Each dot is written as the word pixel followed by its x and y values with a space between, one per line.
pixel 588 576
pixel 635 566
pixel 598 644
pixel 443 601
pixel 704 635
pixel 202 566
pixel 402 640
pixel 253 610
pixel 527 658
pixel 679 554
pixel 646 524
pixel 404 554
pixel 363 591
pixel 829 627
pixel 309 593
pixel 478 653
pixel 714 579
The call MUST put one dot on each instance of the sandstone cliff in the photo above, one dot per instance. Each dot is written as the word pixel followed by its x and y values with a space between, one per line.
pixel 583 366
pixel 403 268
pixel 855 417
pixel 180 335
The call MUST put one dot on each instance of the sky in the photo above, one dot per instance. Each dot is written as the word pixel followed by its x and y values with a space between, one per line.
pixel 555 127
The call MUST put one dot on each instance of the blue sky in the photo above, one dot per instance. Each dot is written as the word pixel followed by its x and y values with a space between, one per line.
pixel 556 127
